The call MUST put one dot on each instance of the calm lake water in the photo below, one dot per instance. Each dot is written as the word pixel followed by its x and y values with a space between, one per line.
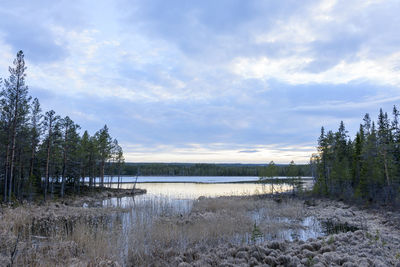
pixel 174 196
pixel 178 196
pixel 193 187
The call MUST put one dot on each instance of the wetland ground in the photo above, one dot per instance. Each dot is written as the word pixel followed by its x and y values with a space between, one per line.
pixel 261 230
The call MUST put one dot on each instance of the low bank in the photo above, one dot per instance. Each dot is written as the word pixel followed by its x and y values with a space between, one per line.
pixel 73 232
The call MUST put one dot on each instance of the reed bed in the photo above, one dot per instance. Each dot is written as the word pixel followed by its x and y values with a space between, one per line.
pixel 154 230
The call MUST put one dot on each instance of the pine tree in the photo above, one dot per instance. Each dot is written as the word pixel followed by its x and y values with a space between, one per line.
pixel 104 145
pixel 85 152
pixel 50 124
pixel 31 143
pixel 120 161
pixel 292 173
pixel 15 101
pixel 271 171
pixel 35 133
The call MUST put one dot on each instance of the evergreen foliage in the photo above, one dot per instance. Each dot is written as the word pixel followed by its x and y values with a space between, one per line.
pixel 205 169
pixel 366 168
pixel 42 154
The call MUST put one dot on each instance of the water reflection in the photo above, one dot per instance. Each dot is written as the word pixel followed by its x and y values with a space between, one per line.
pixel 176 199
pixel 196 190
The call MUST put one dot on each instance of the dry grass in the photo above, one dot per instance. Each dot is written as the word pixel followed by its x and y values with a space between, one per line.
pixel 153 231
pixel 56 235
pixel 226 204
pixel 98 243
pixel 211 222
pixel 265 209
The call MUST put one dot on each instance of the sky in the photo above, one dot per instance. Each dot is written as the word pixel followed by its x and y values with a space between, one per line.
pixel 218 81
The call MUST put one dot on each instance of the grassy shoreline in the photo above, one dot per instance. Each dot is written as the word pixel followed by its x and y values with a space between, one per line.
pixel 86 195
pixel 62 233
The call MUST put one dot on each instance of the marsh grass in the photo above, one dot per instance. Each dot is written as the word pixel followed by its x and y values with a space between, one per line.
pixel 57 235
pixel 211 222
pixel 155 230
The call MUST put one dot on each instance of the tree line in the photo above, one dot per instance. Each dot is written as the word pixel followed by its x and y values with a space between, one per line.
pixel 204 169
pixel 365 168
pixel 43 154
pixel 291 170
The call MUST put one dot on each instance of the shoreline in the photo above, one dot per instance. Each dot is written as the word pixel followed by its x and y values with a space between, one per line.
pixel 41 228
pixel 100 194
pixel 87 195
pixel 373 241
pixel 369 237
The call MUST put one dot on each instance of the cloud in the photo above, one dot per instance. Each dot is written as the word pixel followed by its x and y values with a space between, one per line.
pixel 214 155
pixel 208 80
pixel 25 27
pixel 249 151
pixel 292 70
pixel 329 44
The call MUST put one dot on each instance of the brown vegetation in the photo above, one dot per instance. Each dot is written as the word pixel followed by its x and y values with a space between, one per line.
pixel 60 232
pixel 212 222
pixel 230 231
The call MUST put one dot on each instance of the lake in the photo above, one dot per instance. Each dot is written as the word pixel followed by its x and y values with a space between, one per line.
pixel 193 187
pixel 170 201
pixel 178 196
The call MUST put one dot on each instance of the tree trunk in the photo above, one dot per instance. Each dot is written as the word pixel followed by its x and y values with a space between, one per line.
pixel 21 178
pixel 83 178
pixel 6 172
pixel 102 173
pixel 386 168
pixel 325 175
pixel 14 135
pixel 31 167
pixel 90 173
pixel 111 170
pixel 52 187
pixel 32 160
pixel 119 174
pixel 94 174
pixel 30 178
pixel 64 165
pixel 46 179
pixel 12 165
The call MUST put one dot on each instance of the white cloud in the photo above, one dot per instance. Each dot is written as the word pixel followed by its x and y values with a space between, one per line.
pixel 314 34
pixel 195 81
pixel 291 70
pixel 296 31
pixel 85 115
pixel 219 153
pixel 6 58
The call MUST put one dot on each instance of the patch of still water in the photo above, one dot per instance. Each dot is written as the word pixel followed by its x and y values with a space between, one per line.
pixel 176 199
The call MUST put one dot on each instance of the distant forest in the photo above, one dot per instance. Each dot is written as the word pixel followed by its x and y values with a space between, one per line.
pixel 192 169
pixel 366 168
